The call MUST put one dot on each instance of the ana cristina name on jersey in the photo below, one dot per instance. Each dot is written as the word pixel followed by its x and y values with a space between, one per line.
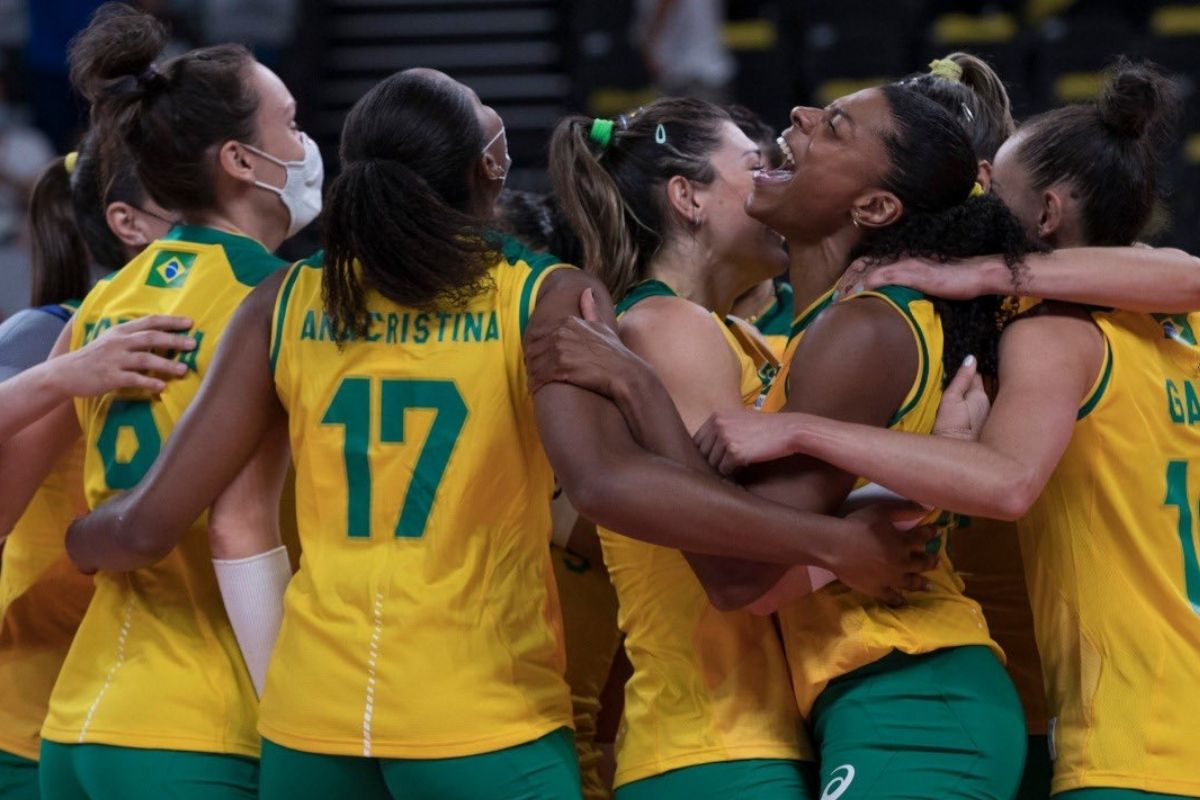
pixel 406 327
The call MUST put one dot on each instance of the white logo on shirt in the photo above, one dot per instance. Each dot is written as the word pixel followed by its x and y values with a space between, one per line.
pixel 839 781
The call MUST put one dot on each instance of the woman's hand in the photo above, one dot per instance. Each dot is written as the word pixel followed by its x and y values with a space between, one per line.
pixel 965 405
pixel 734 439
pixel 882 560
pixel 961 280
pixel 584 352
pixel 123 357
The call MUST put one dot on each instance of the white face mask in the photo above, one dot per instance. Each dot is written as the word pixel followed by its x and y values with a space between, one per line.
pixel 507 157
pixel 301 192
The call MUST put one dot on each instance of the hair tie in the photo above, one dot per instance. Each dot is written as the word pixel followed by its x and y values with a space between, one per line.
pixel 70 160
pixel 151 78
pixel 945 68
pixel 976 190
pixel 601 132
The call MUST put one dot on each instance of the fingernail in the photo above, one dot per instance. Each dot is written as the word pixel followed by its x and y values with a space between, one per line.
pixel 969 361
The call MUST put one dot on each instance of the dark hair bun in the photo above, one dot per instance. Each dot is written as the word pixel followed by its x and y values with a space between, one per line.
pixel 120 42
pixel 1139 102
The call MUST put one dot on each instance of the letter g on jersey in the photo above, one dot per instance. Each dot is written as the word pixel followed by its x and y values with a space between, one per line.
pixel 839 781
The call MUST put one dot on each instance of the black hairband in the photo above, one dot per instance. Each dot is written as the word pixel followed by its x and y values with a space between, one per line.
pixel 151 78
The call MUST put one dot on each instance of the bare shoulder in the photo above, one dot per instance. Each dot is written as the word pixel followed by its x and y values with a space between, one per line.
pixel 858 322
pixel 560 294
pixel 1048 324
pixel 568 279
pixel 852 346
pixel 667 319
pixel 1056 342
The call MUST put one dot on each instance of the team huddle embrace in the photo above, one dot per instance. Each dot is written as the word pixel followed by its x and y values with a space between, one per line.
pixel 916 522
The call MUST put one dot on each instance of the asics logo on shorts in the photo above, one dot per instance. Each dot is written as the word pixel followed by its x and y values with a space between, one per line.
pixel 839 781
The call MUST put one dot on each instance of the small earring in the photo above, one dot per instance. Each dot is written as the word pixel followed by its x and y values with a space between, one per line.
pixel 854 219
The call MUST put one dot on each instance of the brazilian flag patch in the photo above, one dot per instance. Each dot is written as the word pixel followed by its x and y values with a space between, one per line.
pixel 170 269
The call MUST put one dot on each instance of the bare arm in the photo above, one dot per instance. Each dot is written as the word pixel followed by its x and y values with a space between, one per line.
pixel 847 344
pixel 30 451
pixel 1133 278
pixel 118 359
pixel 244 519
pixel 682 345
pixel 1002 474
pixel 235 409
pixel 614 481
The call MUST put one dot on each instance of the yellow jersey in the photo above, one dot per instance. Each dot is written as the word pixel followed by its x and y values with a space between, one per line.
pixel 42 598
pixel 155 662
pixel 775 322
pixel 589 612
pixel 424 621
pixel 987 555
pixel 1110 552
pixel 707 685
pixel 836 630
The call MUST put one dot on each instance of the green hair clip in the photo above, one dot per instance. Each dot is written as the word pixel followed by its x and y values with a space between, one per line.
pixel 602 132
pixel 945 68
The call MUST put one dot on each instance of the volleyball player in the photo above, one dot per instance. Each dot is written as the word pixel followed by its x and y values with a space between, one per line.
pixel 74 223
pixel 659 201
pixel 1089 445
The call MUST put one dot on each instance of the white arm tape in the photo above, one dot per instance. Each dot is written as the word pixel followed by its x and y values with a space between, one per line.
pixel 252 589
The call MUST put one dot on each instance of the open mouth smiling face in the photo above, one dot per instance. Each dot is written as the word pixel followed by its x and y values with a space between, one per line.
pixel 830 157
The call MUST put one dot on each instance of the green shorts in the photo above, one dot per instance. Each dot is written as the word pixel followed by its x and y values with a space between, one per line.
pixel 943 724
pixel 748 779
pixel 1039 769
pixel 18 777
pixel 103 772
pixel 1115 794
pixel 544 769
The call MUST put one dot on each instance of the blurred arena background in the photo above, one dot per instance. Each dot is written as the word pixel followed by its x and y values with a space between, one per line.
pixel 536 60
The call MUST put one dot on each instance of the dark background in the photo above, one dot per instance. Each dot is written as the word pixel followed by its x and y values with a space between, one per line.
pixel 536 60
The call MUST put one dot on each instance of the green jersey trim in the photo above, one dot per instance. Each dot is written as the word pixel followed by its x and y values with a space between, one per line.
pixel 1098 393
pixel 285 296
pixel 539 264
pixel 647 288
pixel 900 297
pixel 810 314
pixel 249 260
pixel 777 319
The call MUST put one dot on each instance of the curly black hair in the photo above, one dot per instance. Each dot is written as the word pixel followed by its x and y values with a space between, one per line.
pixel 982 225
pixel 932 173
